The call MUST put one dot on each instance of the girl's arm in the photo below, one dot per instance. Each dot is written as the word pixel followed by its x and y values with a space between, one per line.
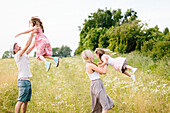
pixel 25 32
pixel 101 70
pixel 31 48
pixel 113 53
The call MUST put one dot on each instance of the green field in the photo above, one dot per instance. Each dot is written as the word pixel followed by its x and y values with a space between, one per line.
pixel 66 89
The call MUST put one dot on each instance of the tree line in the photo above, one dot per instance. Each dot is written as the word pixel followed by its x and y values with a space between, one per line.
pixel 64 51
pixel 123 33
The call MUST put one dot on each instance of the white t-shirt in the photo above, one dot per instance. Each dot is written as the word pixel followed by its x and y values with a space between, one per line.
pixel 23 65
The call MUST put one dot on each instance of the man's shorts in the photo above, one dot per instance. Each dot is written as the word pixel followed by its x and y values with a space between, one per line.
pixel 25 90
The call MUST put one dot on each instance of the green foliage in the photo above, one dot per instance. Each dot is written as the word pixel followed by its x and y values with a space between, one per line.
pixel 102 19
pixel 129 16
pixel 166 31
pixel 158 45
pixel 64 51
pixel 7 54
pixel 123 34
pixel 148 65
pixel 124 38
pixel 55 51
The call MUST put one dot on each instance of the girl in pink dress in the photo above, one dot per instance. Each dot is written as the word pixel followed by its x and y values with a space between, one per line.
pixel 119 63
pixel 41 42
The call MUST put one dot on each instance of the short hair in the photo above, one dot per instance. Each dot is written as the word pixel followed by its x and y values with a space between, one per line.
pixel 14 48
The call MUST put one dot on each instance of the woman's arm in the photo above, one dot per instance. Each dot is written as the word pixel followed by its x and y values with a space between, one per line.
pixel 31 48
pixel 104 59
pixel 101 70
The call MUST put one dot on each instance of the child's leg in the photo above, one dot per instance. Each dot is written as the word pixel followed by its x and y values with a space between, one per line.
pixel 42 58
pixel 56 60
pixel 126 73
pixel 131 76
pixel 49 57
pixel 131 68
pixel 47 64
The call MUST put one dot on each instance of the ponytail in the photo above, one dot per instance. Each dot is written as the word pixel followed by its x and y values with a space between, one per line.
pixel 37 22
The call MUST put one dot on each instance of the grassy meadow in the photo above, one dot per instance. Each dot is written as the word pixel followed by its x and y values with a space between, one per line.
pixel 66 89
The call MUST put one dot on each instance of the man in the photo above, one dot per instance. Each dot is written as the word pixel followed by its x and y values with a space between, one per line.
pixel 24 85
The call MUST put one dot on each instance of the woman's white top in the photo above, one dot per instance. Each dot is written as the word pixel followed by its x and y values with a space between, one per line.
pixel 93 76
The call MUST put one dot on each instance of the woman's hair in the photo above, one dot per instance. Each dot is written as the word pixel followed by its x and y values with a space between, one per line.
pixel 86 56
pixel 101 51
pixel 37 22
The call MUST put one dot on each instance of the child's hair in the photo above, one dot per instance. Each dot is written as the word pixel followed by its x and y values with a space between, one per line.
pixel 101 51
pixel 37 22
pixel 86 56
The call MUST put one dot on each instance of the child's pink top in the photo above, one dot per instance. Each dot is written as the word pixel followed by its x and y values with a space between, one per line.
pixel 42 44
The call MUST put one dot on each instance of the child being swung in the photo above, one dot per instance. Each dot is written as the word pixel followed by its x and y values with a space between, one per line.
pixel 119 63
pixel 41 42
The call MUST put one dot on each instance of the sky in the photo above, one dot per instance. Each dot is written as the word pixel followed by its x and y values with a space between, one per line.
pixel 61 18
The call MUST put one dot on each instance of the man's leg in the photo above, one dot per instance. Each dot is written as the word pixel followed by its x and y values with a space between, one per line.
pixel 24 107
pixel 18 106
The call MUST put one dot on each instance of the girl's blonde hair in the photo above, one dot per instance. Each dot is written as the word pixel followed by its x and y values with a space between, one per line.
pixel 37 22
pixel 101 51
pixel 86 56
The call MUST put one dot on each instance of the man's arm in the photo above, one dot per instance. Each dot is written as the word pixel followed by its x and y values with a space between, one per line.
pixel 31 48
pixel 27 44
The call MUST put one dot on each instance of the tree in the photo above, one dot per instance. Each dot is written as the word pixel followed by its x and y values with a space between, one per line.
pixel 64 51
pixel 117 15
pixel 93 35
pixel 129 16
pixel 55 51
pixel 7 54
pixel 166 31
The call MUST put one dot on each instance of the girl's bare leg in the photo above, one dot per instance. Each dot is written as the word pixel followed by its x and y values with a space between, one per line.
pixel 55 59
pixel 49 57
pixel 126 73
pixel 129 67
pixel 131 76
pixel 47 64
pixel 42 58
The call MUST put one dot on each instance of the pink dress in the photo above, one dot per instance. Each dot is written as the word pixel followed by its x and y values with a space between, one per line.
pixel 42 44
pixel 118 63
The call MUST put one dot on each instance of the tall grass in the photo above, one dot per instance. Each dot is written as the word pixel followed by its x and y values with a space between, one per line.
pixel 66 89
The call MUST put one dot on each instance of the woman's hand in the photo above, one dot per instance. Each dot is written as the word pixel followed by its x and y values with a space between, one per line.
pixel 102 64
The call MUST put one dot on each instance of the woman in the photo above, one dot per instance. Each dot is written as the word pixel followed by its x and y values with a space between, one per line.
pixel 101 102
